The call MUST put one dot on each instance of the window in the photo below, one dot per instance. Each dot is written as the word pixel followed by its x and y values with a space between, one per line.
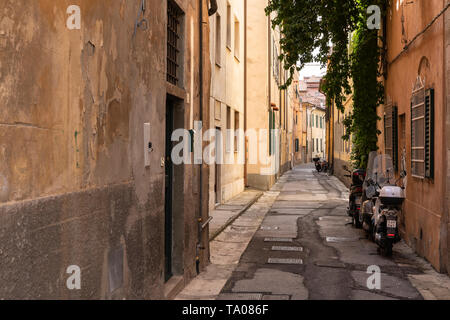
pixel 276 63
pixel 391 133
pixel 217 110
pixel 271 133
pixel 218 40
pixel 237 39
pixel 174 15
pixel 312 145
pixel 422 131
pixel 229 26
pixel 297 145
pixel 237 132
pixel 317 121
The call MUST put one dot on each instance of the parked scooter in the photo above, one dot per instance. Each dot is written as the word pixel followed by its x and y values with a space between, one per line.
pixel 369 196
pixel 356 193
pixel 388 199
pixel 321 164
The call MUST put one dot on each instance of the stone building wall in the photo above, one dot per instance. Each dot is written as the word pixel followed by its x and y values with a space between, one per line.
pixel 74 189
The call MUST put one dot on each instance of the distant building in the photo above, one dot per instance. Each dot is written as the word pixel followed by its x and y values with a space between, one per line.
pixel 227 100
pixel 297 117
pixel 267 106
pixel 339 150
pixel 314 102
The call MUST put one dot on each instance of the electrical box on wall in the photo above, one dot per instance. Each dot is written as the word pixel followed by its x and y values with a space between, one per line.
pixel 148 146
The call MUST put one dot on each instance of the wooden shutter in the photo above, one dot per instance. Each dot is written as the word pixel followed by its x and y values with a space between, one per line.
pixel 418 131
pixel 429 133
pixel 391 133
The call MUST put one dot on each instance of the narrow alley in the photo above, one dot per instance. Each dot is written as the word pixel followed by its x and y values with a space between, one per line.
pixel 219 150
pixel 297 242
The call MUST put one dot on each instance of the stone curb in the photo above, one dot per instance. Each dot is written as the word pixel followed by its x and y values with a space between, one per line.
pixel 232 219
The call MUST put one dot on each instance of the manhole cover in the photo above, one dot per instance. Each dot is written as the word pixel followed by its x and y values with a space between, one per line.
pixel 278 240
pixel 284 261
pixel 330 264
pixel 269 228
pixel 337 239
pixel 276 297
pixel 279 248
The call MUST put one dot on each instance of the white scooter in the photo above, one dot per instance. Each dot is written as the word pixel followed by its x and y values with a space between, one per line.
pixel 388 205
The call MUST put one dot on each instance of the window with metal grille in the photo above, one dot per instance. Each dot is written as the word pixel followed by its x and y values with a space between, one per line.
pixel 422 132
pixel 297 145
pixel 391 133
pixel 174 15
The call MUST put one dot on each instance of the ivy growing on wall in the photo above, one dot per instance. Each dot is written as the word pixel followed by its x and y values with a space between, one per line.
pixel 320 31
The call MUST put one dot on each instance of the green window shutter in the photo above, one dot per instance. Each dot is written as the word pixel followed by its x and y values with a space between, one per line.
pixel 395 137
pixel 429 133
pixel 391 133
pixel 270 131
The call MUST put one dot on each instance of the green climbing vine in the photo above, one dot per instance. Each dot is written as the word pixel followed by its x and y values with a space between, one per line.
pixel 335 34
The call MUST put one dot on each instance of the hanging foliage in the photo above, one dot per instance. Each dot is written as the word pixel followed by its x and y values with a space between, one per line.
pixel 320 31
pixel 368 92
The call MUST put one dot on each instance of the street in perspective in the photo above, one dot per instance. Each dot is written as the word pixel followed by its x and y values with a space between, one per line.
pixel 297 242
pixel 224 158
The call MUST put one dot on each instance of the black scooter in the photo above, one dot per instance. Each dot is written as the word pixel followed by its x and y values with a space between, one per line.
pixel 321 164
pixel 356 195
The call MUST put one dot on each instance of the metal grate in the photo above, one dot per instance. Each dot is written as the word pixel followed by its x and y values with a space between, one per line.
pixel 174 14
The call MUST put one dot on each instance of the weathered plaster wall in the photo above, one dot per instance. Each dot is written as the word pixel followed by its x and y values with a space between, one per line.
pixel 424 208
pixel 447 134
pixel 73 186
pixel 227 90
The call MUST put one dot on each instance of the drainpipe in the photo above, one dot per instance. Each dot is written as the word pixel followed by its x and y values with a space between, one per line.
pixel 245 94
pixel 200 212
pixel 201 226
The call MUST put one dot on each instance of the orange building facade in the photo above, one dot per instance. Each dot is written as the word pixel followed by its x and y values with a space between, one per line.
pixel 414 120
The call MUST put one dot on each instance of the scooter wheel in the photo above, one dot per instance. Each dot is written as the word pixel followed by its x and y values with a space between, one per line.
pixel 356 223
pixel 387 250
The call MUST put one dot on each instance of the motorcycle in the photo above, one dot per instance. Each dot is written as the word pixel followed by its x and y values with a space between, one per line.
pixel 356 193
pixel 321 164
pixel 387 198
pixel 369 196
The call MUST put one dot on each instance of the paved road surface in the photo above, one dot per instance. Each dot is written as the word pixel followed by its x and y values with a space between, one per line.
pixel 296 243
